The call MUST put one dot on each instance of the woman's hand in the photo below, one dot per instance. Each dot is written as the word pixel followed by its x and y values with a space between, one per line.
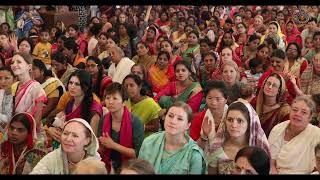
pixel 55 133
pixel 13 42
pixel 206 126
pixel 107 141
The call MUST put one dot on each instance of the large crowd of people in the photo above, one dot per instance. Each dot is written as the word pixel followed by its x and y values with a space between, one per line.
pixel 160 89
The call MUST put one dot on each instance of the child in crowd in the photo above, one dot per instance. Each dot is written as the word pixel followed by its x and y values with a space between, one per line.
pixel 308 46
pixel 42 50
pixel 255 71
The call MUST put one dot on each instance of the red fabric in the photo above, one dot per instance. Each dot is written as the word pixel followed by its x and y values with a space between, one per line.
pixel 125 135
pixel 7 147
pixel 295 35
pixel 106 81
pixel 196 125
pixel 83 45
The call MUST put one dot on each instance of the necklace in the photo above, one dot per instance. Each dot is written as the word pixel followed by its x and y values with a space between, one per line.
pixel 74 163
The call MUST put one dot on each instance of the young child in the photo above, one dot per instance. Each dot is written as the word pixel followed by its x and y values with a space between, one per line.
pixel 308 46
pixel 255 72
pixel 42 50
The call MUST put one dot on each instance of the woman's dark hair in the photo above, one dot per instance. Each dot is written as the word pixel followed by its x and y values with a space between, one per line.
pixel 194 32
pixel 271 41
pixel 144 71
pixel 7 68
pixel 24 119
pixel 297 46
pixel 253 37
pixel 167 40
pixel 261 46
pixel 216 85
pixel 254 62
pixel 184 63
pixel 165 53
pixel 164 12
pixel 73 26
pixel 139 165
pixel 137 80
pixel 59 57
pixel 29 41
pixel 210 53
pixel 109 36
pixel 95 29
pixel 239 106
pixel 85 83
pixel 39 64
pixel 279 54
pixel 144 44
pixel 106 62
pixel 96 87
pixel 116 87
pixel 243 24
pixel 257 157
pixel 71 44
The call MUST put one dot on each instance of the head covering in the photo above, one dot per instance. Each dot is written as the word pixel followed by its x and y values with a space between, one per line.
pixel 257 136
pixel 280 97
pixel 7 147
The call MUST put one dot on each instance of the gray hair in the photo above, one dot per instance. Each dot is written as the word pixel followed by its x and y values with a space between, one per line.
pixel 310 103
pixel 119 50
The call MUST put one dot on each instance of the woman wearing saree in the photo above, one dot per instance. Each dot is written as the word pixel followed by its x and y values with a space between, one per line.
pixel 21 150
pixel 240 128
pixel 161 73
pixel 61 67
pixel 293 142
pixel 77 102
pixel 52 86
pixel 211 63
pixel 28 94
pixel 141 105
pixel 270 102
pixel 173 151
pixel 183 89
pixel 143 56
pixel 292 33
pixel 65 159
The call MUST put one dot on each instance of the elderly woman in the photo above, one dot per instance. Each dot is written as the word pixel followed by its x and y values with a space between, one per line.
pixel 78 142
pixel 292 143
pixel 121 65
pixel 173 151
pixel 240 128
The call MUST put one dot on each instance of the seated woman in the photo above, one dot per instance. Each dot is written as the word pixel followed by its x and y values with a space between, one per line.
pixel 231 78
pixel 240 128
pixel 143 56
pixel 252 160
pixel 173 151
pixel 141 71
pixel 166 45
pixel 6 99
pixel 61 68
pixel 28 94
pixel 78 142
pixel 205 124
pixel 51 85
pixel 270 103
pixel 120 133
pixel 161 73
pixel 183 89
pixel 21 151
pixel 99 80
pixel 77 102
pixel 210 64
pixel 140 105
pixel 292 142
pixel 191 50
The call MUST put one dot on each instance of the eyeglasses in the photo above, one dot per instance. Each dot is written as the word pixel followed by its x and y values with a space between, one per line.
pixel 91 66
pixel 272 84
pixel 291 49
